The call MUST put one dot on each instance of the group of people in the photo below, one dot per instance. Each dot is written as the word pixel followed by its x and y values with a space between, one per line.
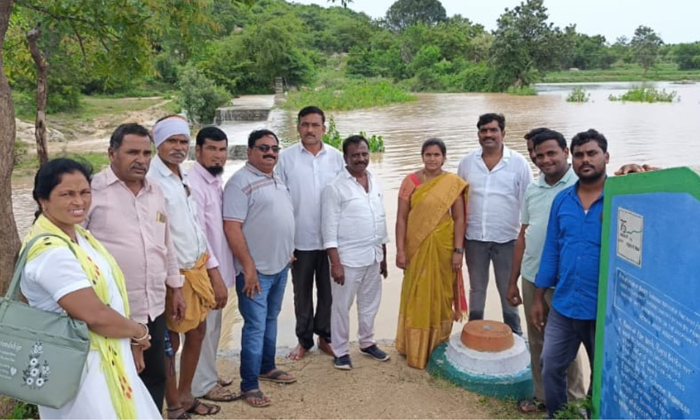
pixel 151 250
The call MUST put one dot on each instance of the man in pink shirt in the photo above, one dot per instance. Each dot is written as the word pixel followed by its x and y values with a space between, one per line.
pixel 128 216
pixel 205 180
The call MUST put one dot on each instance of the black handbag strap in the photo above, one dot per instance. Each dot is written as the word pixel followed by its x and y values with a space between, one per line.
pixel 13 290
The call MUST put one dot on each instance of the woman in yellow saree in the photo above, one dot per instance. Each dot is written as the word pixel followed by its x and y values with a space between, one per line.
pixel 430 228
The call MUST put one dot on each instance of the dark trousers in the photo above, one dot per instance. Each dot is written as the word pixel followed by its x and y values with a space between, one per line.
pixel 479 255
pixel 562 338
pixel 310 265
pixel 153 376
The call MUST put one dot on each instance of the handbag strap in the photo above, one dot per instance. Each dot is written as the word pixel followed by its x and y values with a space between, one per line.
pixel 13 290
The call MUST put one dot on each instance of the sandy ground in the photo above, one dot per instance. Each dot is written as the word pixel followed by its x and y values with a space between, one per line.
pixel 371 390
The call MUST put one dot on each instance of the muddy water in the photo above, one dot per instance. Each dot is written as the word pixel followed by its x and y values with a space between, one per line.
pixel 660 134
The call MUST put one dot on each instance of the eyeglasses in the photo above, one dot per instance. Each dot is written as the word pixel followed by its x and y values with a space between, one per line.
pixel 265 148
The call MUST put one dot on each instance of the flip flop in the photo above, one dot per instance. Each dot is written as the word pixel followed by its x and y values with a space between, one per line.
pixel 224 382
pixel 184 414
pixel 212 409
pixel 275 377
pixel 220 394
pixel 248 397
pixel 530 406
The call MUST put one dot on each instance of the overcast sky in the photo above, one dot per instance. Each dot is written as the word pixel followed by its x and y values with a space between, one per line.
pixel 675 20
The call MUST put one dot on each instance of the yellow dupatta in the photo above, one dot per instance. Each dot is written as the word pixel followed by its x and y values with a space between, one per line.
pixel 109 349
pixel 425 314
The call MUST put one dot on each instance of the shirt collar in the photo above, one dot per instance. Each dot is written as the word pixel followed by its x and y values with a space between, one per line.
pixel 507 153
pixel 303 149
pixel 257 171
pixel 202 171
pixel 574 191
pixel 568 176
pixel 163 168
pixel 348 175
pixel 111 178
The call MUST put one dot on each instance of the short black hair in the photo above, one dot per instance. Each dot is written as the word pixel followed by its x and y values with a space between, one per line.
pixel 434 142
pixel 535 131
pixel 548 134
pixel 311 110
pixel 487 118
pixel 589 135
pixel 258 134
pixel 50 175
pixel 211 133
pixel 123 130
pixel 356 139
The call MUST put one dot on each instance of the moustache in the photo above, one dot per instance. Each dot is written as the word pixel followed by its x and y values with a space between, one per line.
pixel 269 157
pixel 140 167
pixel 177 154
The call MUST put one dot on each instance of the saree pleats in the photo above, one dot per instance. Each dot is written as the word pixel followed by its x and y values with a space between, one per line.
pixel 425 314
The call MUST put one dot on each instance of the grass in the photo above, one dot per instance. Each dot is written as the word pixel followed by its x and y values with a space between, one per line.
pixel 646 94
pixel 624 73
pixel 28 164
pixel 350 94
pixel 578 94
pixel 522 91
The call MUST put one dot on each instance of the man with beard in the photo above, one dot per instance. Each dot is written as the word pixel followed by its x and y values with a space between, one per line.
pixel 353 224
pixel 128 216
pixel 498 178
pixel 306 168
pixel 259 226
pixel 570 262
pixel 171 136
pixel 211 151
pixel 551 157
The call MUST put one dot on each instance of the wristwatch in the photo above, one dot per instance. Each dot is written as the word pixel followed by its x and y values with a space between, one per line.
pixel 459 251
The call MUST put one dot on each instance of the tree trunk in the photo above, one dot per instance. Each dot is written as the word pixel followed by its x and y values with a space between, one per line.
pixel 9 239
pixel 42 71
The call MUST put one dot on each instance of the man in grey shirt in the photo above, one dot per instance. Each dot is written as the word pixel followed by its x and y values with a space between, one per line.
pixel 259 227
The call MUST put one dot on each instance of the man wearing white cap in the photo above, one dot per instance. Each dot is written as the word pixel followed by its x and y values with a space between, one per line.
pixel 171 136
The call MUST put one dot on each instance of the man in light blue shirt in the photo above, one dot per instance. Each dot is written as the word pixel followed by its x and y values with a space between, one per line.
pixel 550 154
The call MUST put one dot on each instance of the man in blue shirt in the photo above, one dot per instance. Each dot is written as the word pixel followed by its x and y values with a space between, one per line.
pixel 570 262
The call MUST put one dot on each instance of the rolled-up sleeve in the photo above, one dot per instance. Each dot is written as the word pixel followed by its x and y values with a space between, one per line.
pixel 330 217
pixel 549 265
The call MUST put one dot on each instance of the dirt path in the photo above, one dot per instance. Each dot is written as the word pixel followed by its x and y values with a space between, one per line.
pixel 371 390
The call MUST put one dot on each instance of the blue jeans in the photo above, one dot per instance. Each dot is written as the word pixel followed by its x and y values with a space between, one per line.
pixel 562 338
pixel 259 336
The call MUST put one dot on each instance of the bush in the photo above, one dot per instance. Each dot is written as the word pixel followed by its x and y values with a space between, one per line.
pixel 578 94
pixel 352 94
pixel 646 94
pixel 522 91
pixel 335 139
pixel 200 96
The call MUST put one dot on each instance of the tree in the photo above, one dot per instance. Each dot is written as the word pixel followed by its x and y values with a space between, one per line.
pixel 405 13
pixel 524 44
pixel 645 47
pixel 687 56
pixel 9 239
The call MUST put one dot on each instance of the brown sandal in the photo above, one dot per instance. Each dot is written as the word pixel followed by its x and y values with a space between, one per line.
pixel 212 409
pixel 183 415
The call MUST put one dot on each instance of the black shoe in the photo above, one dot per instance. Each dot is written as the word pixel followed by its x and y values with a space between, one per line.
pixel 374 352
pixel 342 362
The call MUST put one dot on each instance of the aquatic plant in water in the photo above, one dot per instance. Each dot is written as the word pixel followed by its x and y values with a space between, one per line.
pixel 646 94
pixel 335 139
pixel 578 94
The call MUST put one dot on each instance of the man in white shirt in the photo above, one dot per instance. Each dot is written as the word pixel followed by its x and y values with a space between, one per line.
pixel 353 224
pixel 498 178
pixel 171 136
pixel 306 168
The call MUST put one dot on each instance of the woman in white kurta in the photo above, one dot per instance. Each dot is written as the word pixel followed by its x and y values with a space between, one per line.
pixel 78 275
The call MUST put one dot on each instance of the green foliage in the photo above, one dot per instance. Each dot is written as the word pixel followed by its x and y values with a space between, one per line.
pixel 525 45
pixel 521 91
pixel 575 410
pixel 621 72
pixel 646 94
pixel 687 56
pixel 200 96
pixel 405 13
pixel 578 94
pixel 645 47
pixel 335 139
pixel 352 94
pixel 22 410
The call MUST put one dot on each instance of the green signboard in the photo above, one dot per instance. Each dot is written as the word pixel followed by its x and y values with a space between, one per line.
pixel 647 354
